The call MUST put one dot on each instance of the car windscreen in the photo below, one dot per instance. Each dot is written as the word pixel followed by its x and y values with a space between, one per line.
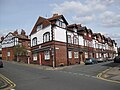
pixel 88 58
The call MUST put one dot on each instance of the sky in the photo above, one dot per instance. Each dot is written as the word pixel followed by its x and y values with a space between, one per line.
pixel 102 16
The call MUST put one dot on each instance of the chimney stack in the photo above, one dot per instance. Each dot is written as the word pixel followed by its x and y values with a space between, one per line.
pixel 23 32
pixel 16 32
pixel 2 38
pixel 55 14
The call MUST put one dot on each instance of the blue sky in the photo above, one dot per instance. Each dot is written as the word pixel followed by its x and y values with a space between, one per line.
pixel 99 15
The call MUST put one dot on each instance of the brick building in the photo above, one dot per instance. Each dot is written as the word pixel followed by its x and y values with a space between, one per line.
pixel 48 41
pixel 55 43
pixel 10 41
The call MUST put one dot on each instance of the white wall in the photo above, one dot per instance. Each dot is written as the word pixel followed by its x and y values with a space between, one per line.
pixel 81 40
pixel 40 33
pixel 60 34
pixel 94 43
pixel 8 41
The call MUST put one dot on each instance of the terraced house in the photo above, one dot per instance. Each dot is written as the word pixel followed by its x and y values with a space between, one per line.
pixel 54 42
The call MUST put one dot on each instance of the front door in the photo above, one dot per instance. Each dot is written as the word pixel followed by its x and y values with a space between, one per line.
pixel 40 59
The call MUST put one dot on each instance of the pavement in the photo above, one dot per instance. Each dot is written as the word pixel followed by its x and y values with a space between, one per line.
pixel 112 74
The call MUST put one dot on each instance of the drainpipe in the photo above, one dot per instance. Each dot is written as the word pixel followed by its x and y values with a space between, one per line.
pixel 67 47
pixel 53 48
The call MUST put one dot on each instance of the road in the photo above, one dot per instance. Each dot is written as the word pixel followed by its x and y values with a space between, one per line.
pixel 77 77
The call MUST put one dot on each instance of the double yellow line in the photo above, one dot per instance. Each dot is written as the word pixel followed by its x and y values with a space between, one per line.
pixel 99 76
pixel 11 84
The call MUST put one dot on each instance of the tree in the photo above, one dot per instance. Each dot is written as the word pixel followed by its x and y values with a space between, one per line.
pixel 20 50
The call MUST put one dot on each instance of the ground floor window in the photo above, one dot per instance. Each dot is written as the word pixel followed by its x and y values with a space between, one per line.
pixel 96 55
pixel 35 57
pixel 75 54
pixel 8 53
pixel 99 54
pixel 86 54
pixel 70 54
pixel 47 55
pixel 91 55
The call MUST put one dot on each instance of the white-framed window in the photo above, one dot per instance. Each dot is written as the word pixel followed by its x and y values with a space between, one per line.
pixel 86 54
pixel 39 27
pixel 70 54
pixel 61 24
pixel 47 55
pixel 34 41
pixel 75 40
pixel 69 39
pixel 46 37
pixel 75 54
pixel 8 53
pixel 35 57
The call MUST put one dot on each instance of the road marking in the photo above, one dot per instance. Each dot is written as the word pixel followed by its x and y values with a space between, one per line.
pixel 99 76
pixel 87 75
pixel 93 76
pixel 75 73
pixel 12 85
pixel 80 74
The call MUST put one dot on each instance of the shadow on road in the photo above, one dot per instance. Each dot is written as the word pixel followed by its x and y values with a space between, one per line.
pixel 112 64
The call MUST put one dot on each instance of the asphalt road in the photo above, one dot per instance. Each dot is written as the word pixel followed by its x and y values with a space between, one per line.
pixel 77 77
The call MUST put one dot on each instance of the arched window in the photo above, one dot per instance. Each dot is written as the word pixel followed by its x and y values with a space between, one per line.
pixel 34 41
pixel 46 37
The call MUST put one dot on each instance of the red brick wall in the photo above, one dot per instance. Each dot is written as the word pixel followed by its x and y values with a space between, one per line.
pixel 61 55
pixel 5 56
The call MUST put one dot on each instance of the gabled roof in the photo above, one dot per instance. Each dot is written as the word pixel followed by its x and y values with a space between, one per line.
pixel 42 21
pixel 71 27
pixel 84 29
pixel 56 17
pixel 19 36
pixel 46 22
pixel 89 31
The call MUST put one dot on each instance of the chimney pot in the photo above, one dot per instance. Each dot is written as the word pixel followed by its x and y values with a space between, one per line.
pixel 55 14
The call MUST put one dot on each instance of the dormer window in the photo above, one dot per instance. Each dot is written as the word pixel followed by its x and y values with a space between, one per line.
pixel 39 27
pixel 60 24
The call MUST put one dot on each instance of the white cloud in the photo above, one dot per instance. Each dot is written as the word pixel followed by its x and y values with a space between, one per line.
pixel 82 12
pixel 91 11
pixel 83 19
pixel 68 7
pixel 110 19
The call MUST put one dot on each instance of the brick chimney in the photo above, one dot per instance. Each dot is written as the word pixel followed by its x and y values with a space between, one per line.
pixel 55 14
pixel 16 32
pixel 2 38
pixel 23 32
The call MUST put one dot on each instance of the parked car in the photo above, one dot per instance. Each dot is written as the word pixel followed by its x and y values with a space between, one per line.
pixel 117 59
pixel 1 63
pixel 90 61
pixel 100 59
